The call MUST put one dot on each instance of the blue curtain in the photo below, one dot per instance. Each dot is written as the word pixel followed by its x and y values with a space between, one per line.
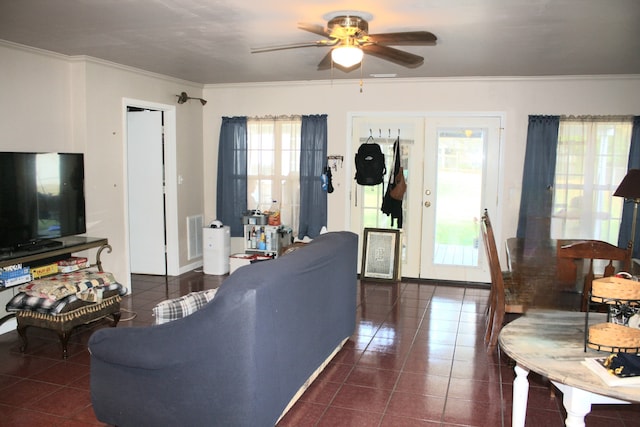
pixel 231 195
pixel 627 213
pixel 313 156
pixel 534 220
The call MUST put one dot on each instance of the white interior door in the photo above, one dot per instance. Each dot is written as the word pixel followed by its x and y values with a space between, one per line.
pixel 461 174
pixel 145 172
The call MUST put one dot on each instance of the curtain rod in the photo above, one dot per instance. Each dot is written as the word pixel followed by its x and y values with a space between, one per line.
pixel 613 118
pixel 385 140
pixel 279 117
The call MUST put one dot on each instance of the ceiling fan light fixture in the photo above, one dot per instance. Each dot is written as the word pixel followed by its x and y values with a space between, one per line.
pixel 346 56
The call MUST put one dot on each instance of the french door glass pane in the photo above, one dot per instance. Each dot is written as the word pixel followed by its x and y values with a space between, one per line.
pixel 458 196
pixel 372 216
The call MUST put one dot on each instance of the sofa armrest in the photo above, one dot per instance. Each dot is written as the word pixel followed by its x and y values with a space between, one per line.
pixel 179 342
pixel 146 347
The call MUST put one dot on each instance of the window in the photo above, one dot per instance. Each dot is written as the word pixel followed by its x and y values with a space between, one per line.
pixel 591 160
pixel 273 166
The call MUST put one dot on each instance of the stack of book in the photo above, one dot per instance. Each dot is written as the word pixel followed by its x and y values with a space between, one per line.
pixel 14 275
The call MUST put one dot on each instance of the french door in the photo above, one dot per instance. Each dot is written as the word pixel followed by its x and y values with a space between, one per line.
pixel 451 166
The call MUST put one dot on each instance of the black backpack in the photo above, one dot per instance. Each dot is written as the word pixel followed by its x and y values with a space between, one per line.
pixel 370 166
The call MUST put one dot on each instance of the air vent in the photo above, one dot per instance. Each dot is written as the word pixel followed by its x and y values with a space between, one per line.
pixel 194 232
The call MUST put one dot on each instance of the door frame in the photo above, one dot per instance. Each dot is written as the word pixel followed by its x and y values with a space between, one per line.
pixel 171 188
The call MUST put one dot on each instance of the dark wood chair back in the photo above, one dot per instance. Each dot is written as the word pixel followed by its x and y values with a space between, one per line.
pixel 499 304
pixel 570 255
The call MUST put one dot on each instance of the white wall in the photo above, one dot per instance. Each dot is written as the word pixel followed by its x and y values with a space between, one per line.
pixel 106 87
pixel 516 98
pixel 55 103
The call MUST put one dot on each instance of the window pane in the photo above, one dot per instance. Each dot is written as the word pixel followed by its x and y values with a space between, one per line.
pixel 459 184
pixel 591 160
pixel 273 166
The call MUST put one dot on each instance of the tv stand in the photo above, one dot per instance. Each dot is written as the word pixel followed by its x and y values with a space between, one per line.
pixel 39 245
pixel 65 246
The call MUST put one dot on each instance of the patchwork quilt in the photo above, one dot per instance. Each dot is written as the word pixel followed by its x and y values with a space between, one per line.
pixel 51 295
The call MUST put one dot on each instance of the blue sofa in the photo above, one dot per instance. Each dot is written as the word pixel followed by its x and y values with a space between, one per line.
pixel 242 359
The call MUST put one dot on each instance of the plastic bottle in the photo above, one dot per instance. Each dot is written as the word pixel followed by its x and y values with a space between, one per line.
pixel 253 238
pixel 274 213
pixel 268 239
pixel 262 243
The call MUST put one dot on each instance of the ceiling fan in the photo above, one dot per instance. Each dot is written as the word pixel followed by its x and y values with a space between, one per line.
pixel 347 33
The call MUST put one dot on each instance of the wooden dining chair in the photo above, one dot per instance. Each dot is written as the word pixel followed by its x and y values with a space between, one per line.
pixel 570 255
pixel 504 297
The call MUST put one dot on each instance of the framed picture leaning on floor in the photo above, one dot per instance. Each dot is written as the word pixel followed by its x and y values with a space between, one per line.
pixel 380 254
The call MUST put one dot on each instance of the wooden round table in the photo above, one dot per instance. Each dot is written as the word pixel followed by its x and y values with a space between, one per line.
pixel 551 343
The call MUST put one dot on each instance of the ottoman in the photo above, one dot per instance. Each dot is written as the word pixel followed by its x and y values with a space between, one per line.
pixel 63 302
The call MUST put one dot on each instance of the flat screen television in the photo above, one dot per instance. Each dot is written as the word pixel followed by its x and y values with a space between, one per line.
pixel 41 198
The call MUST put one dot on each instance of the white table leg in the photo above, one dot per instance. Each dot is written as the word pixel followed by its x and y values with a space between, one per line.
pixel 577 404
pixel 520 396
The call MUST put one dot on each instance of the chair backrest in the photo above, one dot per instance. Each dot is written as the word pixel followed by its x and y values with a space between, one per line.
pixel 492 252
pixel 587 251
pixel 496 309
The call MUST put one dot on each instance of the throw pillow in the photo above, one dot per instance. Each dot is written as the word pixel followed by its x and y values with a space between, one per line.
pixel 177 308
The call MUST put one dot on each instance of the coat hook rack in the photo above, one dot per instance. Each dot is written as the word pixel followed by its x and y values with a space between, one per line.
pixel 333 161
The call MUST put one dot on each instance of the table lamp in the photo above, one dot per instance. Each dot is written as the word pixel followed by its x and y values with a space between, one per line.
pixel 629 188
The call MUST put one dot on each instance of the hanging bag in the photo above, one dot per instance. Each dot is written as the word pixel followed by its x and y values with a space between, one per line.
pixel 400 186
pixel 370 166
pixel 392 206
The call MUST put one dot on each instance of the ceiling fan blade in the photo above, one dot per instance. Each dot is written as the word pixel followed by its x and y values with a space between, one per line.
pixel 421 38
pixel 325 64
pixel 313 28
pixel 397 56
pixel 294 46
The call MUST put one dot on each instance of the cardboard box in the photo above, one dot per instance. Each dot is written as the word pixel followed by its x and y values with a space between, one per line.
pixel 72 264
pixel 44 270
pixel 14 281
pixel 238 260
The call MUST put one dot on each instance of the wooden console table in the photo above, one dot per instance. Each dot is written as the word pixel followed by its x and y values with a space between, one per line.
pixel 75 312
pixel 64 248
pixel 67 246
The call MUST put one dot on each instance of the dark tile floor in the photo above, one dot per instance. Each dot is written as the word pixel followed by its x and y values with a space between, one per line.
pixel 415 359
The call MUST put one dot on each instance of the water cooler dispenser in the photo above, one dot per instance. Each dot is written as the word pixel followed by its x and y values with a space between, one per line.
pixel 217 247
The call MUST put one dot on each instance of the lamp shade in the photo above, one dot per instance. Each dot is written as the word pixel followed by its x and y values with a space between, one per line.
pixel 629 188
pixel 346 56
